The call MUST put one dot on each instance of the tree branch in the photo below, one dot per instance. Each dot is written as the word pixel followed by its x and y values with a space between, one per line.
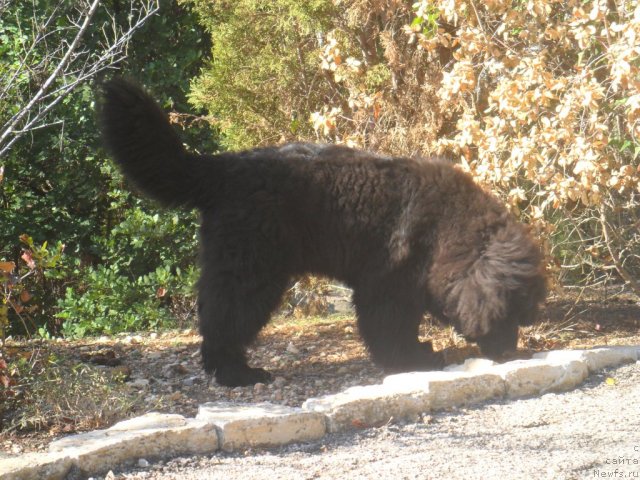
pixel 69 77
pixel 626 276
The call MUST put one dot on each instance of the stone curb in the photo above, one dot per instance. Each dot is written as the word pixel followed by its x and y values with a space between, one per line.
pixel 260 424
pixel 226 426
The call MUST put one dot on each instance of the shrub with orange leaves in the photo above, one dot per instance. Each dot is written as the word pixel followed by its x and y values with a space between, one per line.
pixel 538 99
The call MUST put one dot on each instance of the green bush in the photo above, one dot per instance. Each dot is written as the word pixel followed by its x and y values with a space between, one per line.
pixel 121 266
pixel 109 302
pixel 147 276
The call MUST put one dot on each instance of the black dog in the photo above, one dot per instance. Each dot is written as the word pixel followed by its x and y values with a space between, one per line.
pixel 409 236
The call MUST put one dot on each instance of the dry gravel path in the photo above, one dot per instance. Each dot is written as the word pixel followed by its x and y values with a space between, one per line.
pixel 590 432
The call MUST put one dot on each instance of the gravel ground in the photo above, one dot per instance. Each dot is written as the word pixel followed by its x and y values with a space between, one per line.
pixel 590 432
pixel 97 382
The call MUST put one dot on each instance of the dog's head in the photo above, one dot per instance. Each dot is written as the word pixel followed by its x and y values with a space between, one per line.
pixel 496 285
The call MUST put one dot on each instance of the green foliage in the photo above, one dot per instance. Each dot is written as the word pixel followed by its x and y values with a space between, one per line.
pixel 377 77
pixel 109 302
pixel 426 19
pixel 262 78
pixel 29 285
pixel 123 294
pixel 538 100
pixel 42 176
pixel 143 238
pixel 122 262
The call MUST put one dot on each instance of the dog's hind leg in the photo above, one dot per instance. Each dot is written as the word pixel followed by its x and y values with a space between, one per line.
pixel 233 307
pixel 388 320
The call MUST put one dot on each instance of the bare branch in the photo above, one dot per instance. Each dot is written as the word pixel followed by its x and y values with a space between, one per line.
pixel 4 4
pixel 617 263
pixel 45 86
pixel 65 64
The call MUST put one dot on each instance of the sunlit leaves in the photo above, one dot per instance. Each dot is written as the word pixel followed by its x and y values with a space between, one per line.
pixel 538 99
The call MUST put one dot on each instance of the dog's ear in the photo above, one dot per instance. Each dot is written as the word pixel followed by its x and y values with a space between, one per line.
pixel 504 278
pixel 478 300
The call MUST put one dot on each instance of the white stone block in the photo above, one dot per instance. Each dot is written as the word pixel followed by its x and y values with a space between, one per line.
pixel 149 421
pixel 404 395
pixel 529 377
pixel 368 406
pixel 471 365
pixel 452 389
pixel 150 435
pixel 261 425
pixel 596 358
pixel 53 466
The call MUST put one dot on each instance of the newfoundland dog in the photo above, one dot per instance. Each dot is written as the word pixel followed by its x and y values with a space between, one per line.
pixel 408 235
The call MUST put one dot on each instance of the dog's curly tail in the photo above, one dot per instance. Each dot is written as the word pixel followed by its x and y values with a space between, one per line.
pixel 142 141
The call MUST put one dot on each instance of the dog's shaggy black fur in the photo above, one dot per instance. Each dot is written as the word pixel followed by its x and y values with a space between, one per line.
pixel 409 236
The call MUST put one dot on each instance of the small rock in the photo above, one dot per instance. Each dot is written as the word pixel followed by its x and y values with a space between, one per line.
pixel 411 418
pixel 279 382
pixel 143 463
pixel 105 356
pixel 188 382
pixel 259 388
pixel 121 372
pixel 191 381
pixel 139 383
pixel 174 369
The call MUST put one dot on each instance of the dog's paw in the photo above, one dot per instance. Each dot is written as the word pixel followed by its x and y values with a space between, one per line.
pixel 241 376
pixel 427 347
pixel 419 357
pixel 430 359
pixel 436 360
